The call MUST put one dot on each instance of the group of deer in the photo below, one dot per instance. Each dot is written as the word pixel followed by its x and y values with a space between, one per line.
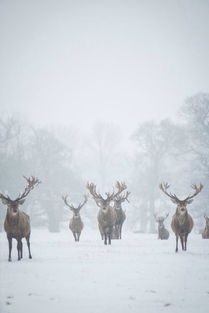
pixel 110 218
pixel 182 223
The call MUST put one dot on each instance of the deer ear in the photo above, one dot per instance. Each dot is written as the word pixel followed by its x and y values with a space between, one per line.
pixel 174 201
pixel 189 201
pixel 21 201
pixel 5 201
pixel 99 203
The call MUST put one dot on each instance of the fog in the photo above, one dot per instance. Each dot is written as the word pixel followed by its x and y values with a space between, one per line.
pixel 114 93
pixel 70 62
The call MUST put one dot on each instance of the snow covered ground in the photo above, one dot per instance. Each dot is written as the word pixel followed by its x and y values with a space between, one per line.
pixel 138 274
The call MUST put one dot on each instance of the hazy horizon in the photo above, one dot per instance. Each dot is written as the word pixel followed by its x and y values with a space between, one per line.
pixel 68 62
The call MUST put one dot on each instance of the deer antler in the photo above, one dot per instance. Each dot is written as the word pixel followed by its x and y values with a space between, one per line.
pixel 3 197
pixel 164 187
pixel 197 190
pixel 32 182
pixel 123 197
pixel 66 202
pixel 92 189
pixel 121 187
pixel 84 202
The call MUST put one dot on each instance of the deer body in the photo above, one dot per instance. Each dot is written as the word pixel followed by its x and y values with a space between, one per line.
pixel 18 225
pixel 106 216
pixel 182 222
pixel 17 222
pixel 205 234
pixel 106 221
pixel 120 214
pixel 76 224
pixel 163 233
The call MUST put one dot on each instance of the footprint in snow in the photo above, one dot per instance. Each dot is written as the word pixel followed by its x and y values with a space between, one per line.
pixel 167 304
pixel 8 303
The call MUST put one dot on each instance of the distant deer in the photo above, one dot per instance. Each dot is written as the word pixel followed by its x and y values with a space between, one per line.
pixel 17 223
pixel 76 225
pixel 106 216
pixel 205 234
pixel 163 233
pixel 182 222
pixel 120 214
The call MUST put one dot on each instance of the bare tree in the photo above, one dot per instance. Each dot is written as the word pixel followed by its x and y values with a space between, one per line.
pixel 157 142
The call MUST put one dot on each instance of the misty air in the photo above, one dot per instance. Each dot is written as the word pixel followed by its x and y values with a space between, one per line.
pixel 104 156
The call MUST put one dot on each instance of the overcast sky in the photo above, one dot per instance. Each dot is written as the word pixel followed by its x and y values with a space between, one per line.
pixel 122 61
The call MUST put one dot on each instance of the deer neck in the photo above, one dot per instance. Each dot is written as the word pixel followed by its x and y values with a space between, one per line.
pixel 12 219
pixel 181 217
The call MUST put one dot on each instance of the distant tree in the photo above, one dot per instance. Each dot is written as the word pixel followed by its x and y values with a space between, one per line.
pixel 195 112
pixel 106 138
pixel 157 143
pixel 9 132
pixel 51 160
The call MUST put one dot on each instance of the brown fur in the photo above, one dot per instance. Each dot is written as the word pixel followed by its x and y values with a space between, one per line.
pixel 182 226
pixel 106 221
pixel 76 225
pixel 205 234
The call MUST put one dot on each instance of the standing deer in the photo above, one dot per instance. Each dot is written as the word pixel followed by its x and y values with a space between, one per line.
pixel 106 216
pixel 17 223
pixel 163 233
pixel 205 234
pixel 182 222
pixel 76 224
pixel 120 214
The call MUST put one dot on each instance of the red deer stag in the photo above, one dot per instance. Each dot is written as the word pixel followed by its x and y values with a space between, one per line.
pixel 182 222
pixel 17 223
pixel 120 214
pixel 163 233
pixel 76 224
pixel 205 234
pixel 106 216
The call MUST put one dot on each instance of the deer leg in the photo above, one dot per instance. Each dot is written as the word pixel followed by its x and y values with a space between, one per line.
pixel 28 244
pixel 79 236
pixel 185 244
pixel 74 235
pixel 109 238
pixel 120 232
pixel 177 238
pixel 10 247
pixel 182 242
pixel 21 249
pixel 105 238
pixel 19 244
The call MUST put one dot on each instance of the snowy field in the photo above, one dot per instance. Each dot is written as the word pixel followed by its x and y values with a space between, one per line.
pixel 138 274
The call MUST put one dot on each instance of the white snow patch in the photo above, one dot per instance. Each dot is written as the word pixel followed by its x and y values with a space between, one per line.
pixel 136 274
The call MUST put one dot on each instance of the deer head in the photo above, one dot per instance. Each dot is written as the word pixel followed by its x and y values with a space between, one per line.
pixel 13 205
pixel 206 220
pixel 181 204
pixel 160 219
pixel 76 210
pixel 100 201
pixel 120 199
